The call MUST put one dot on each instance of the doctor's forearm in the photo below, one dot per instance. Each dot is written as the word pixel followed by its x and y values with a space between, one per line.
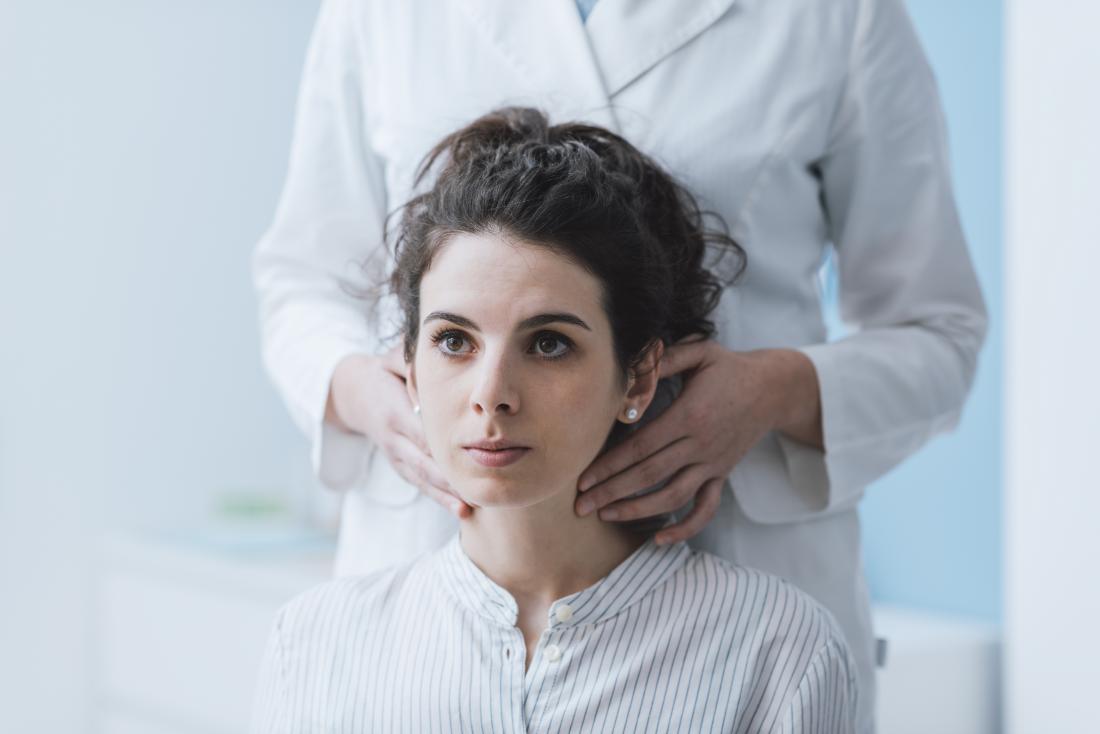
pixel 798 396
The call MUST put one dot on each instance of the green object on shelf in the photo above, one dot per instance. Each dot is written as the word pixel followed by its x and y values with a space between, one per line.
pixel 244 504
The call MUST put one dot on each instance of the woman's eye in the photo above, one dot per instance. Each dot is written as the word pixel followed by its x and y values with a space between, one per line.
pixel 551 346
pixel 544 346
pixel 450 343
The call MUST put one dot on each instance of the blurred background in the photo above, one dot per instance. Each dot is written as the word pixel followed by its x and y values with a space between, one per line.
pixel 156 502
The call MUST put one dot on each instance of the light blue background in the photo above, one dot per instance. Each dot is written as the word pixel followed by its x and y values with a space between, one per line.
pixel 932 527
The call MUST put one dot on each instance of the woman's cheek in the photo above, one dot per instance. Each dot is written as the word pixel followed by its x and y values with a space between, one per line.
pixel 586 417
pixel 437 419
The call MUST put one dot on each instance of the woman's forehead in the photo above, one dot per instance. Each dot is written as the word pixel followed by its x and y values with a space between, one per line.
pixel 506 282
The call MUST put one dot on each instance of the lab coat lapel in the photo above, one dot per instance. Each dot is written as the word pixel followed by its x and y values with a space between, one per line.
pixel 629 37
pixel 580 67
pixel 545 40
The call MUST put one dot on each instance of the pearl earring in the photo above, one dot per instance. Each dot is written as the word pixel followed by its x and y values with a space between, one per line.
pixel 632 413
pixel 416 408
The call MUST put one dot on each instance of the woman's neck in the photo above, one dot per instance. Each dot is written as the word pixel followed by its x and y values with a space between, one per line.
pixel 544 552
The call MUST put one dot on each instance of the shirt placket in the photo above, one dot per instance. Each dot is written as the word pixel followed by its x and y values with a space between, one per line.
pixel 546 675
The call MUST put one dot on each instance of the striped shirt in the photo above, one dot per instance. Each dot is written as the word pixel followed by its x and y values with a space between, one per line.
pixel 672 640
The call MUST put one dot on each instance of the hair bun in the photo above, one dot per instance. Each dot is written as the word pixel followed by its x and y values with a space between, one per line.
pixel 497 131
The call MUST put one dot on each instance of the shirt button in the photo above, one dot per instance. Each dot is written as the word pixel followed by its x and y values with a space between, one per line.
pixel 553 653
pixel 564 613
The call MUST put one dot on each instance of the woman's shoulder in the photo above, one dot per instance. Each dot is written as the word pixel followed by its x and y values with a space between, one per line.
pixel 354 599
pixel 791 645
pixel 770 608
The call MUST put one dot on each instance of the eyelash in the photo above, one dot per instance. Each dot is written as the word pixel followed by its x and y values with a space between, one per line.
pixel 444 334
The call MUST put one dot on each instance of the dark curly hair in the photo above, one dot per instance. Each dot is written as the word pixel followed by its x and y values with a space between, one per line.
pixel 587 194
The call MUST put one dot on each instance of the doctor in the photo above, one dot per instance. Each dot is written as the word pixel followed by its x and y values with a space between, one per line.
pixel 805 125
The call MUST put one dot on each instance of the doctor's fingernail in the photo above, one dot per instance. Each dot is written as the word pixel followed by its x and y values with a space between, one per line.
pixel 584 507
pixel 585 483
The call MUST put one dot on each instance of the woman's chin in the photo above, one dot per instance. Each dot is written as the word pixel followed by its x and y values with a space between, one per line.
pixel 498 492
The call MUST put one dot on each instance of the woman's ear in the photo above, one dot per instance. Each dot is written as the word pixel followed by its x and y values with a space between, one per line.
pixel 643 383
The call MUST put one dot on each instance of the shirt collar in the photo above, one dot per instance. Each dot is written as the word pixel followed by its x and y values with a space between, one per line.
pixel 643 571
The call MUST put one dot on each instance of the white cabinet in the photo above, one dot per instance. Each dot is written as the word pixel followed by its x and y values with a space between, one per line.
pixel 180 631
pixel 942 673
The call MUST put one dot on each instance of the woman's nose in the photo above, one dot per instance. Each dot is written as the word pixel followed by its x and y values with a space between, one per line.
pixel 495 391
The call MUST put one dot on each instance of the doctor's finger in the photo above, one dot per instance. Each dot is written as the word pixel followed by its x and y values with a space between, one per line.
pixel 647 473
pixel 405 423
pixel 421 472
pixel 673 496
pixel 681 356
pixel 706 506
pixel 447 501
pixel 420 466
pixel 639 446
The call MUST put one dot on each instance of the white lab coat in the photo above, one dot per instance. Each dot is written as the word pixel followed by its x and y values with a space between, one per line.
pixel 802 122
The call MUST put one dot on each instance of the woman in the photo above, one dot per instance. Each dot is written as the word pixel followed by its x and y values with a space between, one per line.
pixel 540 280
pixel 814 128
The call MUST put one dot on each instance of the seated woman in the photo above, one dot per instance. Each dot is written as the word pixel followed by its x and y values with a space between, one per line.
pixel 540 279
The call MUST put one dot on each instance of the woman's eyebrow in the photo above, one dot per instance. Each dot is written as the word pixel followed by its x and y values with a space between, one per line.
pixel 532 322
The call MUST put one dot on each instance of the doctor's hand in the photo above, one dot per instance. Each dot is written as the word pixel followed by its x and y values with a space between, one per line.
pixel 368 396
pixel 729 401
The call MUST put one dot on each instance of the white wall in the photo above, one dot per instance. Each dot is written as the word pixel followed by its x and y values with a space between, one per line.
pixel 142 147
pixel 1052 395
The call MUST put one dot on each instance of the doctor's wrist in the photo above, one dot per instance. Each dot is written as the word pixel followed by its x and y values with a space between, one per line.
pixel 344 406
pixel 798 396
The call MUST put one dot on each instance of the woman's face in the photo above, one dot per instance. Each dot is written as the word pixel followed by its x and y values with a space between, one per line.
pixel 514 347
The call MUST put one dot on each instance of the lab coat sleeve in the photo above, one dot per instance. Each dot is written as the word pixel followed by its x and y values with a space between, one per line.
pixel 906 281
pixel 306 267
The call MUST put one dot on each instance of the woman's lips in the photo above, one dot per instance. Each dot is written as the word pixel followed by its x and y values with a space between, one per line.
pixel 503 457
